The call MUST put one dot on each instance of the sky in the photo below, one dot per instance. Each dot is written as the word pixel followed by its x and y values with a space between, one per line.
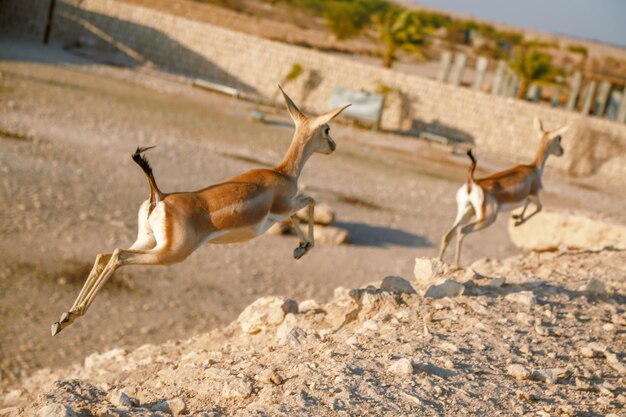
pixel 602 20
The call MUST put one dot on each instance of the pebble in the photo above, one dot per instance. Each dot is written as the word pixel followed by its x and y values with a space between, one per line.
pixel 269 376
pixel 56 410
pixel 371 325
pixel 595 287
pixel 496 282
pixel 397 284
pixel 593 350
pixel 450 347
pixel 518 371
pixel 263 313
pixel 13 396
pixel 402 366
pixel 525 298
pixel 120 399
pixel 448 288
pixel 236 388
pixel 308 305
pixel 549 376
pixel 614 363
pixel 176 405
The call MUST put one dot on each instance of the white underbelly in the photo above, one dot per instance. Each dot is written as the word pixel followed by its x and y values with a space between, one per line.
pixel 243 234
pixel 511 206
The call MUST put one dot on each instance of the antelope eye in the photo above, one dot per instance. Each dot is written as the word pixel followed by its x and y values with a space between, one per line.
pixel 327 130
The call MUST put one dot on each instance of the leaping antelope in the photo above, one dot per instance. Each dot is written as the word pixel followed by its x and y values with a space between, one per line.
pixel 480 200
pixel 172 226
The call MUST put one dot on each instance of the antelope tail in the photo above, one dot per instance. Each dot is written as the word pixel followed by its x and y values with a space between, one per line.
pixel 470 173
pixel 155 194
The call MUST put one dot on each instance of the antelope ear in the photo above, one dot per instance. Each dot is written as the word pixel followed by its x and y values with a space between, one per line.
pixel 538 125
pixel 560 131
pixel 295 113
pixel 327 117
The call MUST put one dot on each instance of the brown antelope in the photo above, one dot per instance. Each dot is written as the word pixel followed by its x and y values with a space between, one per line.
pixel 480 200
pixel 172 226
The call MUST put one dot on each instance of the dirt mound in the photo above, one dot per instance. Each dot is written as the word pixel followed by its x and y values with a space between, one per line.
pixel 539 333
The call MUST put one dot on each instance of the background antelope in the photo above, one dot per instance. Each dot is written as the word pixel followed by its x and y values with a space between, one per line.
pixel 172 226
pixel 480 200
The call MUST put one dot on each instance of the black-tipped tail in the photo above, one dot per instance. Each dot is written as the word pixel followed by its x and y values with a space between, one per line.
pixel 470 173
pixel 155 194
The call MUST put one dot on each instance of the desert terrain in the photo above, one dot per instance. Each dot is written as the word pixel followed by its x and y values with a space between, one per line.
pixel 69 190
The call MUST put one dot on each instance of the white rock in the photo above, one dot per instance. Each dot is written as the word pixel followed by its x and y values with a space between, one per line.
pixel 397 284
pixel 296 337
pixel 427 271
pixel 551 230
pixel 448 288
pixel 518 371
pixel 269 376
pixel 308 305
pixel 402 366
pixel 13 396
pixel 593 350
pixel 615 363
pixel 56 410
pixel 496 282
pixel 323 214
pixel 120 399
pixel 330 235
pixel 237 388
pixel 549 376
pixel 525 298
pixel 596 287
pixel 371 325
pixel 450 347
pixel 174 406
pixel 285 328
pixel 263 313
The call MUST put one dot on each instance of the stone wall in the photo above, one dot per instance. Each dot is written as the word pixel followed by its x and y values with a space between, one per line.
pixel 497 125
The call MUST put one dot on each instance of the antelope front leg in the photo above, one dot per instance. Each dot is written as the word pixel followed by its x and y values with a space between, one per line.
pixel 521 215
pixel 306 243
pixel 538 206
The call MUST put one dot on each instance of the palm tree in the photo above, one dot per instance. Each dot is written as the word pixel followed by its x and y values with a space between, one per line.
pixel 399 29
pixel 532 66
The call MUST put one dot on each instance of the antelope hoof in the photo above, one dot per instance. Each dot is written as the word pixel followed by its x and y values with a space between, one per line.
pixel 301 250
pixel 66 319
pixel 519 222
pixel 516 217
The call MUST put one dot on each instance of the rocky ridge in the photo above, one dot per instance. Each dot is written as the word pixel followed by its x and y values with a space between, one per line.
pixel 538 334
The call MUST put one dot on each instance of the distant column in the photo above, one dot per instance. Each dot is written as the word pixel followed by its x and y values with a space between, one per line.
pixel 574 91
pixel 498 78
pixel 602 97
pixel 512 82
pixel 444 66
pixel 481 69
pixel 458 67
pixel 590 92
pixel 556 96
pixel 613 104
pixel 533 93
pixel 621 112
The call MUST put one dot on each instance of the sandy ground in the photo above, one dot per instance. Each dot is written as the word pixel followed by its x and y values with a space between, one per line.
pixel 69 190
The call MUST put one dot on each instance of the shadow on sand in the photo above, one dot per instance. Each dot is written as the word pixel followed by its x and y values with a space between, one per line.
pixel 362 234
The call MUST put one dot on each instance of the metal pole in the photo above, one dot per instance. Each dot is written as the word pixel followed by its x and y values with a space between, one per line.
pixel 46 35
